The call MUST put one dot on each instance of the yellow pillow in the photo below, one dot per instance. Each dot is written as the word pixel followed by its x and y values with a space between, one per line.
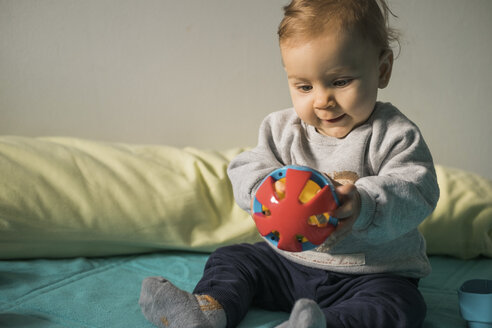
pixel 63 197
pixel 461 224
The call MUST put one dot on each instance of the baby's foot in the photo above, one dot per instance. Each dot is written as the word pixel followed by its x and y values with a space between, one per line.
pixel 305 314
pixel 167 306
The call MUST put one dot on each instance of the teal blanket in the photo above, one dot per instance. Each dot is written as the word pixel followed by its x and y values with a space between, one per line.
pixel 103 292
pixel 96 292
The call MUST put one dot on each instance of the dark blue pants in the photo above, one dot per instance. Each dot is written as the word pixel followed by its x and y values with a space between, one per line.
pixel 240 276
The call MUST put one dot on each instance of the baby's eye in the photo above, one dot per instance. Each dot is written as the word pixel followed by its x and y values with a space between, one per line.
pixel 305 88
pixel 342 83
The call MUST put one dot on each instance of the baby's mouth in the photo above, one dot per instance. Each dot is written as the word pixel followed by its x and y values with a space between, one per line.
pixel 337 119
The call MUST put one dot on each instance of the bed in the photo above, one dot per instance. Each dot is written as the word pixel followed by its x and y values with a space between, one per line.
pixel 82 223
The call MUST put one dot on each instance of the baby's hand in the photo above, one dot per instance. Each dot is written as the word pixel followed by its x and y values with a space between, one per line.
pixel 348 211
pixel 280 188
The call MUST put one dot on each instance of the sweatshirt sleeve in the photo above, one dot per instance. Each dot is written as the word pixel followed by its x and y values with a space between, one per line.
pixel 248 169
pixel 403 190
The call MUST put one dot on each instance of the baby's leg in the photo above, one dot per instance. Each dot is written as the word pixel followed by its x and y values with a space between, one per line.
pixel 305 314
pixel 240 276
pixel 378 300
pixel 167 306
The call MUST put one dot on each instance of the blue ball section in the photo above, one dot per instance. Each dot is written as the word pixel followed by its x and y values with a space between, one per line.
pixel 318 178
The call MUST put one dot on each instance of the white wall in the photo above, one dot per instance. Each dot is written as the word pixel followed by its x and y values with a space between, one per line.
pixel 443 78
pixel 204 73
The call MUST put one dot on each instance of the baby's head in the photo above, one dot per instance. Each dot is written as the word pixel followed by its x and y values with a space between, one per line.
pixel 308 19
pixel 337 54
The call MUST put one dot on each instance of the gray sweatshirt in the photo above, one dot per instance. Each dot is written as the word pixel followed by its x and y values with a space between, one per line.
pixel 389 162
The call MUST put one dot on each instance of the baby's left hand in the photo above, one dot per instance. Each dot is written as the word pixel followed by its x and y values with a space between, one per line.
pixel 347 213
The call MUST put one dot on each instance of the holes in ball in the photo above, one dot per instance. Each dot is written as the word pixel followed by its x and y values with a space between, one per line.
pixel 301 239
pixel 320 220
pixel 265 211
pixel 275 236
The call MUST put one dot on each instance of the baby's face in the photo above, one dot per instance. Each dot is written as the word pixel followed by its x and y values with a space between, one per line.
pixel 334 80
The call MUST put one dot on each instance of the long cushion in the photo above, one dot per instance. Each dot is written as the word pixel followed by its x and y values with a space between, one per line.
pixel 65 197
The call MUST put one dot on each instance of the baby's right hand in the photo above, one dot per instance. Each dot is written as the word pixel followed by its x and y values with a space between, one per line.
pixel 279 189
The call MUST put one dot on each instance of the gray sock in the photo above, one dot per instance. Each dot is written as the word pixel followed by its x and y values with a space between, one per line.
pixel 305 314
pixel 167 306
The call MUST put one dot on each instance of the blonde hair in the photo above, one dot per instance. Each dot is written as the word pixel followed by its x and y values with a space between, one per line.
pixel 311 18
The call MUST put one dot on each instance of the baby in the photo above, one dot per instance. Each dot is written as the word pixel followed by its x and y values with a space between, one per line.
pixel 336 54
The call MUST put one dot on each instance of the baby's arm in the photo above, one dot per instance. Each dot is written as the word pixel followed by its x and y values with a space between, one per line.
pixel 402 192
pixel 248 169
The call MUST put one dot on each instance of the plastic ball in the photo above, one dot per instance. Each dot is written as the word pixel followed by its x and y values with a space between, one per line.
pixel 295 218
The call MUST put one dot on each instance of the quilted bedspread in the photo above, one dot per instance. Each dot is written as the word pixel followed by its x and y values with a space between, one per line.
pixel 104 292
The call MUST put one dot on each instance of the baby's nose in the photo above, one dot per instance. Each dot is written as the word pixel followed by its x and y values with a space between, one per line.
pixel 324 100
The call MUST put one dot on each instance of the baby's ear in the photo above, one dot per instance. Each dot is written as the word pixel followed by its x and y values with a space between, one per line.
pixel 385 67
